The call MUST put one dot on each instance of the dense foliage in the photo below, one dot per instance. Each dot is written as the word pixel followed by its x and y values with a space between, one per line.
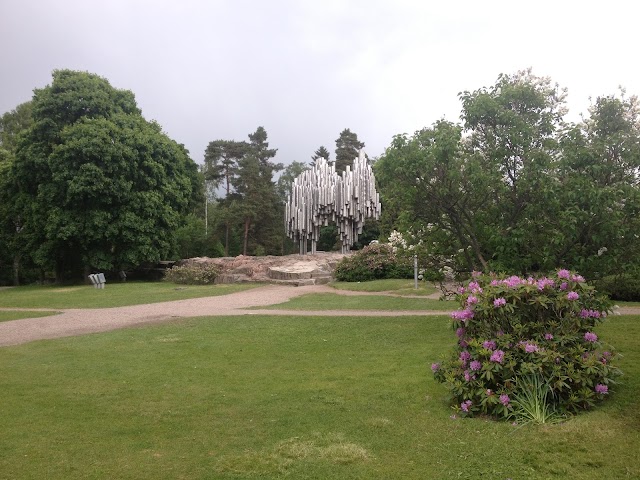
pixel 93 185
pixel 515 188
pixel 519 337
pixel 375 261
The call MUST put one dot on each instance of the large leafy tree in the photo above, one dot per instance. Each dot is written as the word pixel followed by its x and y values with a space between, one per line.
pixel 431 186
pixel 13 125
pixel 512 129
pixel 107 188
pixel 598 219
pixel 347 148
pixel 515 188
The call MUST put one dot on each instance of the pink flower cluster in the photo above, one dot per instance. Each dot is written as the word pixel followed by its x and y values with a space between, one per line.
pixel 475 287
pixel 466 405
pixel 462 315
pixel 545 282
pixel 505 400
pixel 572 296
pixel 435 367
pixel 497 356
pixel 499 302
pixel 584 313
pixel 489 344
pixel 590 337
pixel 602 389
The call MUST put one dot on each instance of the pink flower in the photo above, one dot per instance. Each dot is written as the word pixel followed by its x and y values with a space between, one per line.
pixel 475 365
pixel 466 405
pixel 489 345
pixel 545 282
pixel 435 367
pixel 504 399
pixel 564 286
pixel 497 356
pixel 499 302
pixel 602 389
pixel 564 274
pixel 489 392
pixel 590 337
pixel 577 278
pixel 530 347
pixel 572 296
pixel 462 315
pixel 548 336
pixel 460 332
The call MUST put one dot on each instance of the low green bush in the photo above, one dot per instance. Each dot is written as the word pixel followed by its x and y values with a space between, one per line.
pixel 512 330
pixel 375 261
pixel 624 287
pixel 193 274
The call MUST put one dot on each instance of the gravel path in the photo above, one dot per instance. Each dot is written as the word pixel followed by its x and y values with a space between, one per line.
pixel 72 322
pixel 82 321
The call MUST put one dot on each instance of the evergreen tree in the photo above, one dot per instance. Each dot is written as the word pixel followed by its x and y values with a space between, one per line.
pixel 347 149
pixel 321 152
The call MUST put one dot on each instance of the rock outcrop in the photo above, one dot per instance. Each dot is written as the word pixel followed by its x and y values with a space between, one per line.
pixel 288 269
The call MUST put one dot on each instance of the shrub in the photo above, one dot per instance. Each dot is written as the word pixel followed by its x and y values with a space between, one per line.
pixel 373 262
pixel 193 274
pixel 625 287
pixel 512 330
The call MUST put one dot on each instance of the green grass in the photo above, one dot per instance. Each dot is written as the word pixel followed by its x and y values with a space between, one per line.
pixel 397 286
pixel 334 301
pixel 284 397
pixel 113 295
pixel 5 316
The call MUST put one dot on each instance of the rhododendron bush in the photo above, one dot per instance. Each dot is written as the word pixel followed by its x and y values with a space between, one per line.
pixel 512 329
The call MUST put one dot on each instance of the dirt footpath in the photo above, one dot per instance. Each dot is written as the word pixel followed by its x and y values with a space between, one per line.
pixel 82 321
pixel 72 322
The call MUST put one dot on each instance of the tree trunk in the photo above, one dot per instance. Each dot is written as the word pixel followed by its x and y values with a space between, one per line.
pixel 226 239
pixel 16 269
pixel 247 222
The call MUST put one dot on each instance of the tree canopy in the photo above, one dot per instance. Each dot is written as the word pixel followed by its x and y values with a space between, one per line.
pixel 515 188
pixel 101 187
pixel 347 148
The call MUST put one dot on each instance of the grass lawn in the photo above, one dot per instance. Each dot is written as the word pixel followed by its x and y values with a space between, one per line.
pixel 397 286
pixel 334 301
pixel 5 316
pixel 285 397
pixel 113 295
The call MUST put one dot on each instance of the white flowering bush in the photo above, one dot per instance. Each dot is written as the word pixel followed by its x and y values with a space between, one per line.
pixel 193 274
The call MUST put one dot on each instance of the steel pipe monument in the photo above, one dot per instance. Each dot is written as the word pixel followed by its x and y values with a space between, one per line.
pixel 320 195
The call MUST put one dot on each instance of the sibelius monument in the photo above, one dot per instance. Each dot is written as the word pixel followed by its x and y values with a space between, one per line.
pixel 320 196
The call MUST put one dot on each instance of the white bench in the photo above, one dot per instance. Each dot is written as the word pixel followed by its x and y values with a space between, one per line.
pixel 98 280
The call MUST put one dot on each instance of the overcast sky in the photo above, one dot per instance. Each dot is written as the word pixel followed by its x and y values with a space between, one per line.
pixel 305 70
